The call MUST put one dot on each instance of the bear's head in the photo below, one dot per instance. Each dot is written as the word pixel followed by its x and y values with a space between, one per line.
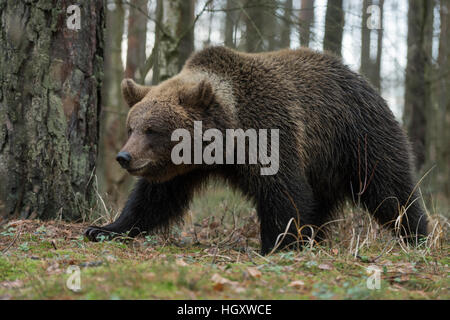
pixel 155 112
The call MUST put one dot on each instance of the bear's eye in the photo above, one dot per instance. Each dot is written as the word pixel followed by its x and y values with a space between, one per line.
pixel 150 131
pixel 129 132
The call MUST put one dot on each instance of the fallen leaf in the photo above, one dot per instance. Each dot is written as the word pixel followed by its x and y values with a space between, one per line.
pixel 219 282
pixel 11 284
pixel 181 263
pixel 239 289
pixel 254 272
pixel 296 284
pixel 110 258
pixel 218 287
pixel 217 278
pixel 325 266
pixel 149 275
pixel 53 268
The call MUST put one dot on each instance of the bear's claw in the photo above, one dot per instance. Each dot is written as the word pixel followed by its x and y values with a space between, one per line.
pixel 94 233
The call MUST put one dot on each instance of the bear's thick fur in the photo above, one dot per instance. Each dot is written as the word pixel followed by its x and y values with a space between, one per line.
pixel 338 140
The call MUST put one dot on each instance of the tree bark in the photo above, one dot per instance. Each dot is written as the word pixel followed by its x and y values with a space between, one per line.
pixel 50 81
pixel 377 68
pixel 185 31
pixel 254 24
pixel 306 21
pixel 371 68
pixel 334 27
pixel 156 45
pixel 177 36
pixel 441 128
pixel 417 85
pixel 271 29
pixel 137 39
pixel 366 62
pixel 231 16
pixel 285 41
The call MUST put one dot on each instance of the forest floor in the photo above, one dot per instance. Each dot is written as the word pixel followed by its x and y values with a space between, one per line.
pixel 216 257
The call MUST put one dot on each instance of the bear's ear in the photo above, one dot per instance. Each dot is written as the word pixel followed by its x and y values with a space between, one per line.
pixel 200 94
pixel 133 92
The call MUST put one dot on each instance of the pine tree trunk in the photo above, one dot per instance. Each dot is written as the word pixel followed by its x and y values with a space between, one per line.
pixel 50 81
pixel 417 85
pixel 306 21
pixel 334 27
pixel 137 39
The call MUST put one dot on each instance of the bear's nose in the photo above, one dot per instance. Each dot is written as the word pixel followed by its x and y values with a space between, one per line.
pixel 124 159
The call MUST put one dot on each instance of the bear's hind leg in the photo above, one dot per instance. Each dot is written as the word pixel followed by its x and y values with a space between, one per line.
pixel 386 201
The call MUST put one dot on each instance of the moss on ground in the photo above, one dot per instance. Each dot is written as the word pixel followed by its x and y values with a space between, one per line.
pixel 36 255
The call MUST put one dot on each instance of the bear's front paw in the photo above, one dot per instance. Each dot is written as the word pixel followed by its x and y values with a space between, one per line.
pixel 94 233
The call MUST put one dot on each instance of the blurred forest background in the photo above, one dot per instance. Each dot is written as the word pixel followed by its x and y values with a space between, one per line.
pixel 400 46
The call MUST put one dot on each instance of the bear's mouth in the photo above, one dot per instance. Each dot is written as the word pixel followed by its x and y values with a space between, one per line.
pixel 135 170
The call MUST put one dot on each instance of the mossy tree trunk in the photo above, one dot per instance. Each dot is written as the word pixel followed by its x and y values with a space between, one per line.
pixel 176 41
pixel 50 79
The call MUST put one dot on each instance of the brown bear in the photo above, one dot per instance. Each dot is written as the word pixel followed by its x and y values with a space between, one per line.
pixel 338 140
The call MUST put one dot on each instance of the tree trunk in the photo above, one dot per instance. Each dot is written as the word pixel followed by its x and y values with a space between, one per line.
pixel 254 24
pixel 369 67
pixel 270 26
pixel 442 114
pixel 285 41
pixel 306 21
pixel 376 81
pixel 156 45
pixel 112 180
pixel 185 31
pixel 417 85
pixel 50 81
pixel 366 62
pixel 177 36
pixel 137 36
pixel 334 27
pixel 231 16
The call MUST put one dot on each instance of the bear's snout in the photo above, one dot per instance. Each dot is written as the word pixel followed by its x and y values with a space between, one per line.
pixel 124 159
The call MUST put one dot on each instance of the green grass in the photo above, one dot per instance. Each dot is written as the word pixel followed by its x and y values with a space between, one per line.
pixel 214 256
